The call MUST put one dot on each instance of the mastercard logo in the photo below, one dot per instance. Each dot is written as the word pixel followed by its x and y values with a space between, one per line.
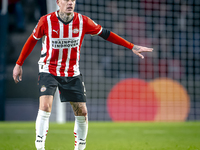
pixel 162 99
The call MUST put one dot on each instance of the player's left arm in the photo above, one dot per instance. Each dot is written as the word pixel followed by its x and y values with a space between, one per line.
pixel 116 39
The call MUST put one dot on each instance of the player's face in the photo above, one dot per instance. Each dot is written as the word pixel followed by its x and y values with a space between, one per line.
pixel 66 6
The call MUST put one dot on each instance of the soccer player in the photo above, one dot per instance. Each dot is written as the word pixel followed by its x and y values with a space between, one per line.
pixel 62 33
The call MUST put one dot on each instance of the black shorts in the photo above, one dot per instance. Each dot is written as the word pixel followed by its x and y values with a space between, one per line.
pixel 71 89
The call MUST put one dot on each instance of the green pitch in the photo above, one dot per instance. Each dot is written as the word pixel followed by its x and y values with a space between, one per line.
pixel 105 136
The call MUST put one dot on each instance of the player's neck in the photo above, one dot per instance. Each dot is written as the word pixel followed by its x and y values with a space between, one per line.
pixel 65 17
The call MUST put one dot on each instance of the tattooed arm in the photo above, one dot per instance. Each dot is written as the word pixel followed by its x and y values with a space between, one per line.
pixel 138 49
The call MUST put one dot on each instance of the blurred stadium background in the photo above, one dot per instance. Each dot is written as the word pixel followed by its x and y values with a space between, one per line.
pixel 165 86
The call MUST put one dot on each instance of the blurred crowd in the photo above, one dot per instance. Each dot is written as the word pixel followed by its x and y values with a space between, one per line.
pixel 171 27
pixel 22 11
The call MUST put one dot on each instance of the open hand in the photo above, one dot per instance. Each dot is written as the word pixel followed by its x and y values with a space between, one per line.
pixel 138 49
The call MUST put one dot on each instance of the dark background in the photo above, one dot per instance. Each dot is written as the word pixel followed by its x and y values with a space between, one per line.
pixel 171 27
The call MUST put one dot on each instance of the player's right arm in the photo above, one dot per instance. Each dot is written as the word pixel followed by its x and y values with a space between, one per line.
pixel 38 32
pixel 27 49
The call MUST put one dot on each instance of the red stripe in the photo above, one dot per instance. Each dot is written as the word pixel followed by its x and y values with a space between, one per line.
pixel 74 51
pixel 65 33
pixel 54 62
pixel 47 47
pixel 65 51
pixel 75 27
pixel 72 62
pixel 55 52
pixel 63 63
pixel 81 40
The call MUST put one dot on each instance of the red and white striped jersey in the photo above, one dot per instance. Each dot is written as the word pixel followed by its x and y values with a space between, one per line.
pixel 61 43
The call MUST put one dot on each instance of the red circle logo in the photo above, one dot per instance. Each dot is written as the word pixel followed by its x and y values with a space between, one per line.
pixel 132 100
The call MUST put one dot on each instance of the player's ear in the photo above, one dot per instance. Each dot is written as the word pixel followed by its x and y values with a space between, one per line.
pixel 57 1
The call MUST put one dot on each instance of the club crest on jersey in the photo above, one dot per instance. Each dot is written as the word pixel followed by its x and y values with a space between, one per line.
pixel 43 89
pixel 75 31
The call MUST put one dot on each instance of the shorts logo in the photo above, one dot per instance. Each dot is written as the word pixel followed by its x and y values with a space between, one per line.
pixel 43 89
pixel 75 31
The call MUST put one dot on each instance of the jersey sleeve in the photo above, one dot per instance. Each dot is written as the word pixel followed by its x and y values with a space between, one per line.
pixel 26 50
pixel 39 30
pixel 116 39
pixel 92 27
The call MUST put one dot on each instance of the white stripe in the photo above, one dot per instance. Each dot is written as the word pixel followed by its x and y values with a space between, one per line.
pixel 98 32
pixel 69 49
pixel 35 37
pixel 44 44
pixel 44 50
pixel 50 36
pixel 76 67
pixel 60 50
pixel 56 13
